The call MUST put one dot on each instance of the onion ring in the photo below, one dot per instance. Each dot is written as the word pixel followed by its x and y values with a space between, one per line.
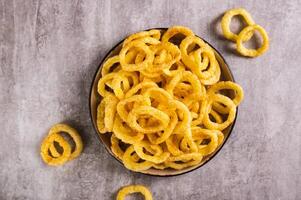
pixel 226 20
pixel 243 35
pixel 232 111
pixel 172 31
pixel 149 56
pixel 130 189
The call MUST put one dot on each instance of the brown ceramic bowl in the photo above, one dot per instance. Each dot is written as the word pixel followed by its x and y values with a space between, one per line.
pixel 105 138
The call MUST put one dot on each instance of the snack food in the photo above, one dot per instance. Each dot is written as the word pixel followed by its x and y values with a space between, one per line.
pixel 162 102
pixel 130 189
pixel 245 34
pixel 226 20
pixel 49 152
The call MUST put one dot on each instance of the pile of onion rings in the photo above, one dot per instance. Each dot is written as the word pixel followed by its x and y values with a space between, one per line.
pixel 162 101
pixel 49 152
pixel 245 34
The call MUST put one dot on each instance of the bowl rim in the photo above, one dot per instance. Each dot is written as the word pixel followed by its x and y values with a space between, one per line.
pixel 100 139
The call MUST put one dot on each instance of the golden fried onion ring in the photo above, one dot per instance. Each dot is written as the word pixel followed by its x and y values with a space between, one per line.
pixel 231 116
pixel 130 189
pixel 243 37
pixel 50 160
pixel 246 33
pixel 172 31
pixel 50 154
pixel 132 164
pixel 149 56
pixel 226 20
pixel 152 33
pixel 161 117
pixel 106 113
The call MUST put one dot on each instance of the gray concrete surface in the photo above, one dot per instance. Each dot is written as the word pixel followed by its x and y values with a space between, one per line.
pixel 49 52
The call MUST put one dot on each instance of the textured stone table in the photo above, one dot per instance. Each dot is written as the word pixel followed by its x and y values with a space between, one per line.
pixel 49 52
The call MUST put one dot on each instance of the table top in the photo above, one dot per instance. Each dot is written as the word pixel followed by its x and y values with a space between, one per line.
pixel 50 51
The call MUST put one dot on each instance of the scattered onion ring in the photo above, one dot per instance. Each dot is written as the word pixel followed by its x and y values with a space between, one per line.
pixel 246 33
pixel 50 154
pixel 226 20
pixel 130 189
pixel 243 37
